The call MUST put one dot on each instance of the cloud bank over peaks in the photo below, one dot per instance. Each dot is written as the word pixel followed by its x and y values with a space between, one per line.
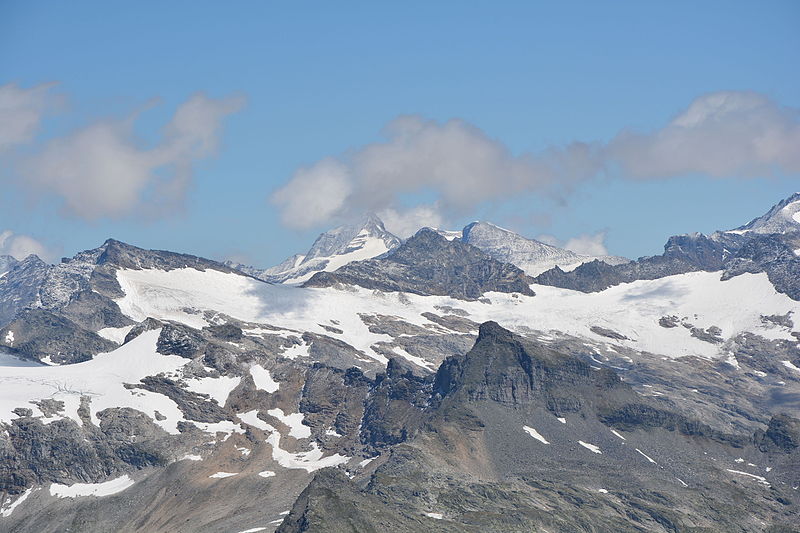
pixel 593 244
pixel 21 246
pixel 455 160
pixel 103 170
pixel 722 134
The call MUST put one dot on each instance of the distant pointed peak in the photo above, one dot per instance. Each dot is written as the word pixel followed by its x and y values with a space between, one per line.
pixel 782 217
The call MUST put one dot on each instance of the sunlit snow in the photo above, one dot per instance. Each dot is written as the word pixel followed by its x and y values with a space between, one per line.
pixel 106 488
pixel 588 446
pixel 535 434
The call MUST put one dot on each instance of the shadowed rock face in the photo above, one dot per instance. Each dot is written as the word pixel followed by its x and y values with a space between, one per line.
pixel 19 287
pixel 37 332
pixel 429 264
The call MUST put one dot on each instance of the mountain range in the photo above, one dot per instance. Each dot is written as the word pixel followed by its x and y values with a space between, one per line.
pixel 368 239
pixel 452 381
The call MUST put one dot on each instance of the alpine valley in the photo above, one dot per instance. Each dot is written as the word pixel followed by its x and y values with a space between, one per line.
pixel 455 381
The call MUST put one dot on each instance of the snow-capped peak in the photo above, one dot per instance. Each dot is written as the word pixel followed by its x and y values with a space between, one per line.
pixel 364 239
pixel 784 217
pixel 532 256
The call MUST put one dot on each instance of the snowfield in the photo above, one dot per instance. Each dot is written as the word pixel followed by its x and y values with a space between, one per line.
pixel 196 297
pixel 698 299
pixel 101 378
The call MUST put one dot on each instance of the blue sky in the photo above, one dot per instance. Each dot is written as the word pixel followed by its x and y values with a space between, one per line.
pixel 290 86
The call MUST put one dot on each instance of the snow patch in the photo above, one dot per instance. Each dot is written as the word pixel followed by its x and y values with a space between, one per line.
pixel 436 516
pixel 295 422
pixel 617 434
pixel 535 434
pixel 365 462
pixel 223 475
pixel 263 379
pixel 9 508
pixel 115 334
pixel 92 489
pixel 760 479
pixel 590 447
pixel 790 366
pixel 251 418
pixel 267 473
pixel 244 451
pixel 217 388
pixel 646 456
pixel 309 461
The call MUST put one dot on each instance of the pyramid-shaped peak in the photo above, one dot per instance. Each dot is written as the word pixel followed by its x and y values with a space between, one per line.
pixel 783 217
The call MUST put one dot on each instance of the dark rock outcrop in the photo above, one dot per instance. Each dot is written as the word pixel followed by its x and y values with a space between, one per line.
pixel 38 333
pixel 429 264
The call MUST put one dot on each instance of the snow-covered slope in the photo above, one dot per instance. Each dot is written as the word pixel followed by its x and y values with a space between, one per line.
pixel 699 300
pixel 331 250
pixel 532 256
pixel 103 379
pixel 783 217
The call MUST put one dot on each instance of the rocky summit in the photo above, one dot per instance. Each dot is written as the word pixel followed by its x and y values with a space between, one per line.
pixel 378 384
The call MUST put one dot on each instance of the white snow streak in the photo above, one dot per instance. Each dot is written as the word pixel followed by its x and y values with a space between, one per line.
pixel 590 447
pixel 91 489
pixel 535 434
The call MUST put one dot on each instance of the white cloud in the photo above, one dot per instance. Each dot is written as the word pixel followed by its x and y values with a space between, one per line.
pixel 588 244
pixel 722 134
pixel 405 223
pixel 314 195
pixel 21 246
pixel 455 160
pixel 593 244
pixel 21 112
pixel 103 171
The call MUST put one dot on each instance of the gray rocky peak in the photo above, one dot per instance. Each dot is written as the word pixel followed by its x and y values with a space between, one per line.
pixel 532 256
pixel 363 239
pixel 783 217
